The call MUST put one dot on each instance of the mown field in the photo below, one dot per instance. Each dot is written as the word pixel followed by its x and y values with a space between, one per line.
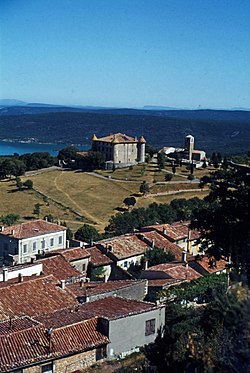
pixel 77 198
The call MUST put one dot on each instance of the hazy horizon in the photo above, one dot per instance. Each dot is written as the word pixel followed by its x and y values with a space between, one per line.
pixel 123 53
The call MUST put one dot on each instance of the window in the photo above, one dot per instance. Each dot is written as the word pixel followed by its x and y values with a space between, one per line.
pixel 52 242
pixel 25 249
pixel 84 267
pixel 126 264
pixel 48 368
pixel 60 240
pixel 150 327
pixel 43 244
pixel 34 246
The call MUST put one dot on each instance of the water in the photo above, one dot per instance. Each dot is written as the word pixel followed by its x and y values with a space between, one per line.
pixel 9 148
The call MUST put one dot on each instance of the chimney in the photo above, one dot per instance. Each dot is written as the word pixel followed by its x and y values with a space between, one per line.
pixel 153 243
pixel 111 248
pixel 81 283
pixel 105 278
pixel 145 265
pixel 87 300
pixel 91 242
pixel 5 274
pixel 46 218
pixel 164 231
pixel 63 284
pixel 184 256
pixel 20 277
pixel 12 232
pixel 67 244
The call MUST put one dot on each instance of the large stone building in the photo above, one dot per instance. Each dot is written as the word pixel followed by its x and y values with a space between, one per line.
pixel 120 150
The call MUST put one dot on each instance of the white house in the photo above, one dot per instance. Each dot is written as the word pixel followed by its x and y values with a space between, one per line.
pixel 21 242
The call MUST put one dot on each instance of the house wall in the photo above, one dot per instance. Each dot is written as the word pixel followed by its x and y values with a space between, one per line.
pixel 125 153
pixel 125 263
pixel 81 265
pixel 135 291
pixel 127 334
pixel 14 272
pixel 17 246
pixel 68 364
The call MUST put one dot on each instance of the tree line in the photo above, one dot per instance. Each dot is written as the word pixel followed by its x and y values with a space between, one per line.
pixel 17 165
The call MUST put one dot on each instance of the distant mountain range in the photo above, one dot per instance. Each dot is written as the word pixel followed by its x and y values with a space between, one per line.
pixel 227 131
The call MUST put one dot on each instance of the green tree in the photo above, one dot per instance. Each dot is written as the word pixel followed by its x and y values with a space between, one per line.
pixel 190 177
pixel 157 256
pixel 204 163
pixel 87 233
pixel 161 160
pixel 68 154
pixel 212 339
pixel 224 219
pixel 19 184
pixel 28 184
pixel 37 209
pixel 168 177
pixel 144 187
pixel 9 219
pixel 129 201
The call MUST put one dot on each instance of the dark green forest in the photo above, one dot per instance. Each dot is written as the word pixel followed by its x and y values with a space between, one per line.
pixel 215 130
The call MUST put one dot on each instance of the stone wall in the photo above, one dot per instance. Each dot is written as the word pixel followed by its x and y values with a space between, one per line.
pixel 68 364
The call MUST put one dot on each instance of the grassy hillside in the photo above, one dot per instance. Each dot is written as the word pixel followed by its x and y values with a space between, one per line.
pixel 78 198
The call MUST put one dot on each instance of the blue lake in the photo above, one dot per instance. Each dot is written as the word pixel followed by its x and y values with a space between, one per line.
pixel 9 148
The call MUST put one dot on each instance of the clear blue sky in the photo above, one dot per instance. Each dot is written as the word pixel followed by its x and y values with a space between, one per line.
pixel 129 53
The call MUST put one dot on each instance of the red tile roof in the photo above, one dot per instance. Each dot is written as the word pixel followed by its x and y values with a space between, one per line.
pixel 176 271
pixel 183 227
pixel 32 228
pixel 162 242
pixel 59 267
pixel 114 307
pixel 169 231
pixel 98 287
pixel 123 247
pixel 73 254
pixel 97 258
pixel 118 137
pixel 16 325
pixel 31 346
pixel 211 265
pixel 34 297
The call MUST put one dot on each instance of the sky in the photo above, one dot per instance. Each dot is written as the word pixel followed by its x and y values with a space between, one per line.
pixel 126 53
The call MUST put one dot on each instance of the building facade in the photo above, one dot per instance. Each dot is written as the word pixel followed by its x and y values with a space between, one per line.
pixel 120 150
pixel 20 243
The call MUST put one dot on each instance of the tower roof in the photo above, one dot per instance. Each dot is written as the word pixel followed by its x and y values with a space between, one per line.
pixel 141 139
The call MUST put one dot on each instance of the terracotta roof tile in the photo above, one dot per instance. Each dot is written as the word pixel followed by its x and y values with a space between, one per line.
pixel 34 297
pixel 114 307
pixel 119 137
pixel 212 266
pixel 59 267
pixel 162 242
pixel 97 258
pixel 32 345
pixel 32 228
pixel 176 271
pixel 123 246
pixel 98 287
pixel 74 253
